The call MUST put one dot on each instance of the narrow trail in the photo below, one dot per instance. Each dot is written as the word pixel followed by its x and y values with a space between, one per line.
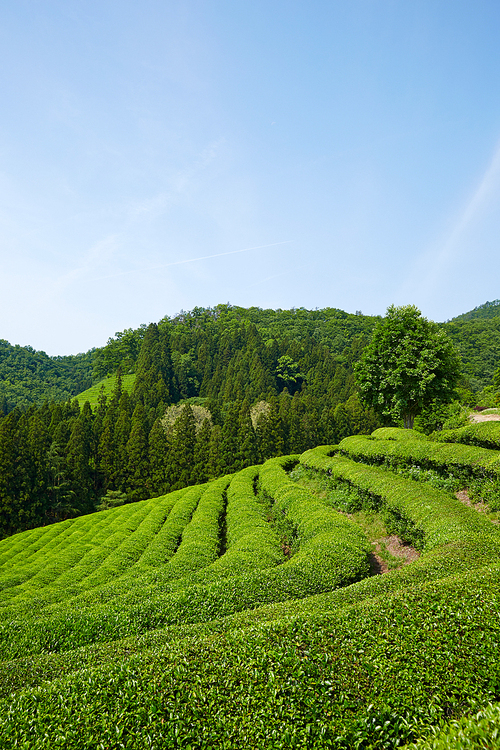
pixel 485 418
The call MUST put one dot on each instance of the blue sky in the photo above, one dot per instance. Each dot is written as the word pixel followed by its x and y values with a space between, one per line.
pixel 162 155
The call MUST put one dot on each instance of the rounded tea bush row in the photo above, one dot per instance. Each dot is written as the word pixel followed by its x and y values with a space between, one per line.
pixel 245 646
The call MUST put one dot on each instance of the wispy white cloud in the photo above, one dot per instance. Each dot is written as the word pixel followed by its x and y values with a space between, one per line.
pixel 275 276
pixel 190 260
pixel 437 261
pixel 181 182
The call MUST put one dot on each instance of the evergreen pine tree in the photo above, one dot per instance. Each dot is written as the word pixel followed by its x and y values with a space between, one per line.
pixel 214 468
pixel 154 371
pixel 122 431
pixel 248 451
pixel 229 460
pixel 159 466
pixel 34 446
pixel 10 476
pixel 270 433
pixel 108 460
pixel 182 443
pixel 342 423
pixel 137 452
pixel 79 457
pixel 296 436
pixel 202 453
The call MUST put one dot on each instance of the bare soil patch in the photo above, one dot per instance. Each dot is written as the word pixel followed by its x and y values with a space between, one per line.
pixel 485 418
pixel 395 547
pixel 464 498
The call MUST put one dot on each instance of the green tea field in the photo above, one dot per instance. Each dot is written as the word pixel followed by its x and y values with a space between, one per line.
pixel 106 387
pixel 269 608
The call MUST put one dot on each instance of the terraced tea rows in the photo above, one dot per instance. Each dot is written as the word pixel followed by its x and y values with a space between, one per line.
pixel 241 613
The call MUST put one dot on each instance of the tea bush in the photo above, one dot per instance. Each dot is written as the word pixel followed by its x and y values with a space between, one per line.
pixel 461 461
pixel 481 434
pixel 181 622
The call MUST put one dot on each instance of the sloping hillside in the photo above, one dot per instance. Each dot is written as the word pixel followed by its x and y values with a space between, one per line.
pixel 29 377
pixel 487 310
pixel 243 613
pixel 199 336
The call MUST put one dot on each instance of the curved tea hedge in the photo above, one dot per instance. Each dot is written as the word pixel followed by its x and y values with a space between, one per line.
pixel 462 461
pixel 190 621
pixel 482 434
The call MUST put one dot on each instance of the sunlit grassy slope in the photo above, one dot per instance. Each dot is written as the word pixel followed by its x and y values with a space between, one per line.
pixel 242 613
pixel 106 385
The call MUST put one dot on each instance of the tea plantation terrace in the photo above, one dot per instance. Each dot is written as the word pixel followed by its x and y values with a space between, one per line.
pixel 242 613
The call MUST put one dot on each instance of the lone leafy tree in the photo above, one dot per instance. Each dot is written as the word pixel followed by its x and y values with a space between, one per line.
pixel 409 363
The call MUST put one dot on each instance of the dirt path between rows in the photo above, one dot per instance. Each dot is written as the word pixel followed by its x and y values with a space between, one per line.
pixel 464 498
pixel 395 547
pixel 485 418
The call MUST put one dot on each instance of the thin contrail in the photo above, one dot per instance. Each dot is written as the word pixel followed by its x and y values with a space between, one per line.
pixel 443 258
pixel 192 260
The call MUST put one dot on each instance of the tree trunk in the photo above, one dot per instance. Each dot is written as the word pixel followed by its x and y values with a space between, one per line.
pixel 409 419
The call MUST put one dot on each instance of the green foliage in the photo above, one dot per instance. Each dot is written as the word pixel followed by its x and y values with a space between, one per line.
pixel 105 386
pixel 112 499
pixel 478 343
pixel 462 461
pixel 219 615
pixel 421 514
pixel 397 433
pixel 482 434
pixel 487 310
pixel 408 364
pixel 153 383
pixel 287 372
pixel 181 622
pixel 30 377
pixel 207 347
pixel 478 732
pixel 298 363
pixel 120 352
pixel 438 416
pixel 496 379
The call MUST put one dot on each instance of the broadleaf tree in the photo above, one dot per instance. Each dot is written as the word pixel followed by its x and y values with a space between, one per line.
pixel 409 363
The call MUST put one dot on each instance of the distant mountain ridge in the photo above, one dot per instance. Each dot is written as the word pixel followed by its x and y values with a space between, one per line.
pixel 30 377
pixel 487 310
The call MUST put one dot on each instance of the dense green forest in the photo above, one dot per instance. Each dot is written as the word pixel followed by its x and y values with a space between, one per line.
pixel 214 390
pixel 240 399
pixel 487 310
pixel 30 377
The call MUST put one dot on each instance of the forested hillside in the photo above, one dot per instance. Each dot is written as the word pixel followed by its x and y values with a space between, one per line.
pixel 241 398
pixel 28 376
pixel 478 341
pixel 236 599
pixel 214 390
pixel 487 310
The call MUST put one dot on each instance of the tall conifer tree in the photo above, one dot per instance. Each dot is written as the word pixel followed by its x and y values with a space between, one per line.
pixel 154 370
pixel 79 460
pixel 159 466
pixel 182 444
pixel 137 452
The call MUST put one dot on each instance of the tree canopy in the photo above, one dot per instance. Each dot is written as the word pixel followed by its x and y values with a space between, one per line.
pixel 409 363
